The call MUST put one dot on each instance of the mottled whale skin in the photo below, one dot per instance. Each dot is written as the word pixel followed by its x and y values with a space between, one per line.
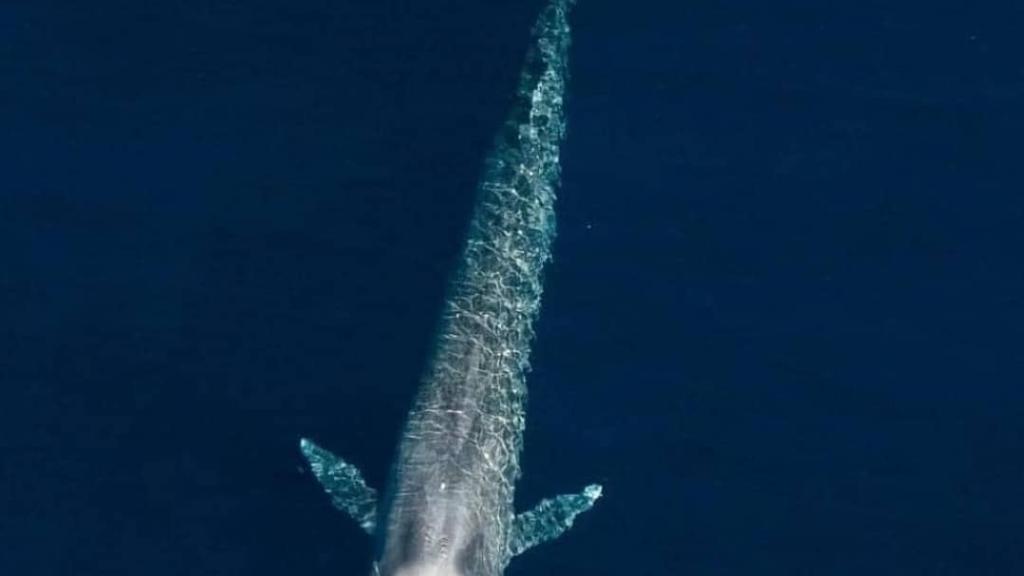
pixel 448 510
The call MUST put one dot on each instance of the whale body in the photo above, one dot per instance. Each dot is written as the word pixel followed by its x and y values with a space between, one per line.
pixel 448 509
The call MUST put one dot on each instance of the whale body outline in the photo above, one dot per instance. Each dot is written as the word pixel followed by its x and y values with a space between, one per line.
pixel 448 509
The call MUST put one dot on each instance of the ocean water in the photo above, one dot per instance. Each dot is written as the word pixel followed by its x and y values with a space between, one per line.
pixel 782 326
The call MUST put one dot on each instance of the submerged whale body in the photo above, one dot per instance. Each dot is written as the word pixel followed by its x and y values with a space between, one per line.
pixel 448 510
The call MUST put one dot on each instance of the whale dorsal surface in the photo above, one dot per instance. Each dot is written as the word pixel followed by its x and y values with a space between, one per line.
pixel 448 508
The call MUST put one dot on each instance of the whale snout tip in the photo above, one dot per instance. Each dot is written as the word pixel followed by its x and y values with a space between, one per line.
pixel 593 492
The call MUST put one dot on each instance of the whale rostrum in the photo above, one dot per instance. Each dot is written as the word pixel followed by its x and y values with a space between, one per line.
pixel 448 508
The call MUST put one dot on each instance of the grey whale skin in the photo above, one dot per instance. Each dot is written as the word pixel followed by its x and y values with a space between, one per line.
pixel 449 507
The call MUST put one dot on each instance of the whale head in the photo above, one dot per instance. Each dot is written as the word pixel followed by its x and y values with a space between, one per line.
pixel 421 569
pixel 429 570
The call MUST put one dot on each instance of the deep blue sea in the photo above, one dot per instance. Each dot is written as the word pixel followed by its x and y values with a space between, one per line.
pixel 783 325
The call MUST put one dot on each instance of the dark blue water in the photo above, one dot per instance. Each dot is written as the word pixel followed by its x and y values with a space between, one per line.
pixel 783 326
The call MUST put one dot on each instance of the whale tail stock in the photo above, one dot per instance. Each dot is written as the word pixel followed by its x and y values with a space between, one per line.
pixel 349 493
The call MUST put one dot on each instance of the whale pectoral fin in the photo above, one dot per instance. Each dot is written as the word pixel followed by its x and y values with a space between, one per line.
pixel 345 485
pixel 549 519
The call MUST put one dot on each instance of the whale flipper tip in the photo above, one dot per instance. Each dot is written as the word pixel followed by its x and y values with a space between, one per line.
pixel 343 483
pixel 551 518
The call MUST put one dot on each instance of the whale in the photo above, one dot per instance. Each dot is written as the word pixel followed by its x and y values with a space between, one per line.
pixel 448 508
